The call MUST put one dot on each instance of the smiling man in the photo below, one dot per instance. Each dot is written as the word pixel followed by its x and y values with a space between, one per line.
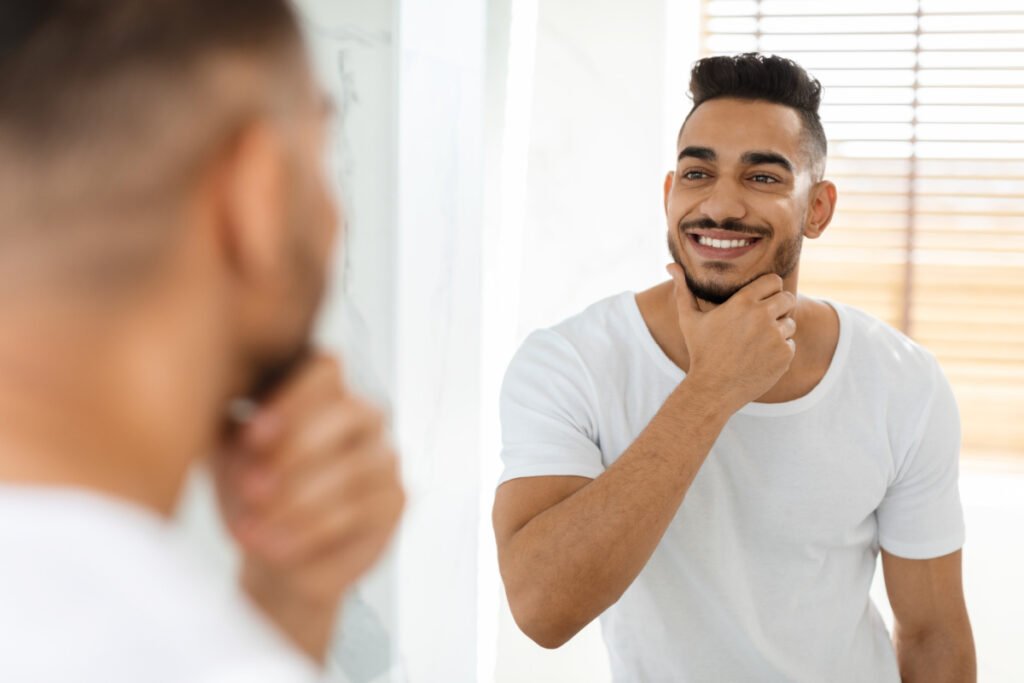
pixel 713 465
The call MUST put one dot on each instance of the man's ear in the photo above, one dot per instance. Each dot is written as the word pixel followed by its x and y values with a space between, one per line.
pixel 252 199
pixel 821 210
pixel 669 179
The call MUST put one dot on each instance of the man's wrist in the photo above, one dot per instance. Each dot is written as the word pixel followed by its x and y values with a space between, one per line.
pixel 308 622
pixel 709 397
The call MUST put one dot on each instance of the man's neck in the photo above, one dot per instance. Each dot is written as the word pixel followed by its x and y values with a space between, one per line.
pixel 94 407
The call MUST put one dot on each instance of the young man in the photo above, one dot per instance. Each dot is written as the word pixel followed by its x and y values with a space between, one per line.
pixel 165 226
pixel 712 465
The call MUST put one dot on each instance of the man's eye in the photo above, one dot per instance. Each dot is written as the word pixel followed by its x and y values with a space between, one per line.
pixel 695 175
pixel 763 178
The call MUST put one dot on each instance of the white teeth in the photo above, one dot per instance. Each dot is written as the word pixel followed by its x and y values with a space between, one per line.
pixel 722 244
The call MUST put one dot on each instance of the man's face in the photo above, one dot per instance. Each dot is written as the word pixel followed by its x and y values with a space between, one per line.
pixel 738 200
pixel 311 225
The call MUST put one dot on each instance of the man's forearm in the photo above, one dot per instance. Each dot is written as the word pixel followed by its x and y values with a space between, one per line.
pixel 571 562
pixel 940 656
pixel 308 625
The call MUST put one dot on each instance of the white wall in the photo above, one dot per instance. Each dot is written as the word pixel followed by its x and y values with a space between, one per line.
pixel 438 271
pixel 407 307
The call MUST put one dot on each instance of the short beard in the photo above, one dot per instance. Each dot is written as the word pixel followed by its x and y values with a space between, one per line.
pixel 787 256
pixel 271 374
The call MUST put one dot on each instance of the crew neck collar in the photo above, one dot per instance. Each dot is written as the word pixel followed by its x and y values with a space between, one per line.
pixel 754 409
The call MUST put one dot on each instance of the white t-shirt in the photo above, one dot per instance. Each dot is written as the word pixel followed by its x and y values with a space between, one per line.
pixel 763 574
pixel 93 590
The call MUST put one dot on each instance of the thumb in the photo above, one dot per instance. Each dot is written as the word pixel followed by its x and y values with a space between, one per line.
pixel 687 303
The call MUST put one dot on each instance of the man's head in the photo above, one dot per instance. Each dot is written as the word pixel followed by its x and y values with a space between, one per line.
pixel 158 144
pixel 748 182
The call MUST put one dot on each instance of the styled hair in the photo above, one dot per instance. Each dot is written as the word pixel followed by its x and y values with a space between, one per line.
pixel 61 60
pixel 769 78
pixel 109 107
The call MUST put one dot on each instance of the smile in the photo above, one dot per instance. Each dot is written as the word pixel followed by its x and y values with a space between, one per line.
pixel 720 246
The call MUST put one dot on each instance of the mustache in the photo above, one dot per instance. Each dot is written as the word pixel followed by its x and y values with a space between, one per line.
pixel 731 225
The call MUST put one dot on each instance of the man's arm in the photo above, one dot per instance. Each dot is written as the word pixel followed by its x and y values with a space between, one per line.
pixel 568 547
pixel 932 632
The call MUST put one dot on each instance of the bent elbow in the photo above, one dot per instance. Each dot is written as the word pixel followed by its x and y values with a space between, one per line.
pixel 542 624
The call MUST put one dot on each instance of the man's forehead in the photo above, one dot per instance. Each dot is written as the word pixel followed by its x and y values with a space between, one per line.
pixel 732 127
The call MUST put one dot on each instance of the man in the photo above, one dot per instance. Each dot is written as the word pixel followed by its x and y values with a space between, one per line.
pixel 712 465
pixel 165 225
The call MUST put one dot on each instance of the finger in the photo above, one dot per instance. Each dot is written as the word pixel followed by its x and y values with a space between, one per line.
pixel 761 288
pixel 373 517
pixel 318 378
pixel 788 327
pixel 321 518
pixel 338 565
pixel 328 434
pixel 684 297
pixel 781 304
pixel 310 492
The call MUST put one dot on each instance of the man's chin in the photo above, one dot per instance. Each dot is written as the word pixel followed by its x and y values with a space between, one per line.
pixel 710 291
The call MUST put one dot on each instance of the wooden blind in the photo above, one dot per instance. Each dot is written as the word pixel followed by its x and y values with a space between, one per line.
pixel 924 110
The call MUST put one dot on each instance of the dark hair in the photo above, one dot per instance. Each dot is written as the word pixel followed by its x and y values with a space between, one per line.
pixel 755 76
pixel 108 107
pixel 60 60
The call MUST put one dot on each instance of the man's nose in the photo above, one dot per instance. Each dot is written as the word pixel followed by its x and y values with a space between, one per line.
pixel 724 202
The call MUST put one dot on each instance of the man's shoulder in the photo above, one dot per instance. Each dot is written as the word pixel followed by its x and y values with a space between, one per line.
pixel 601 329
pixel 98 578
pixel 589 348
pixel 880 350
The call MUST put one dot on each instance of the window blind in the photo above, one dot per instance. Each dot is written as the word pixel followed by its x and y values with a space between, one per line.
pixel 924 110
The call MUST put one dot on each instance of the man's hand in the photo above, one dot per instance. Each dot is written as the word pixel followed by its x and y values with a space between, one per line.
pixel 309 488
pixel 743 347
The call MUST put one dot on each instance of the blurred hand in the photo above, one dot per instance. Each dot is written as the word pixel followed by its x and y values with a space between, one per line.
pixel 743 347
pixel 310 490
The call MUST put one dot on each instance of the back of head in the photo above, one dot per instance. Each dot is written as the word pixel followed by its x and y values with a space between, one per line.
pixel 107 108
pixel 769 78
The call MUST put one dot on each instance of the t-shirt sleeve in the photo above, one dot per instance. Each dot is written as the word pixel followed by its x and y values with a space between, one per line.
pixel 921 516
pixel 548 422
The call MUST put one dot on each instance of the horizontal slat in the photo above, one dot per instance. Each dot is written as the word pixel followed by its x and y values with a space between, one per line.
pixel 868 51
pixel 950 195
pixel 973 214
pixel 868 15
pixel 768 33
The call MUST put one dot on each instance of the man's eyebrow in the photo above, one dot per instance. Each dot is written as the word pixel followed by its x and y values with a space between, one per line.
pixel 757 158
pixel 705 153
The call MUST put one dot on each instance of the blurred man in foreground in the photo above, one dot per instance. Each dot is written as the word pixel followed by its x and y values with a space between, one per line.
pixel 165 227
